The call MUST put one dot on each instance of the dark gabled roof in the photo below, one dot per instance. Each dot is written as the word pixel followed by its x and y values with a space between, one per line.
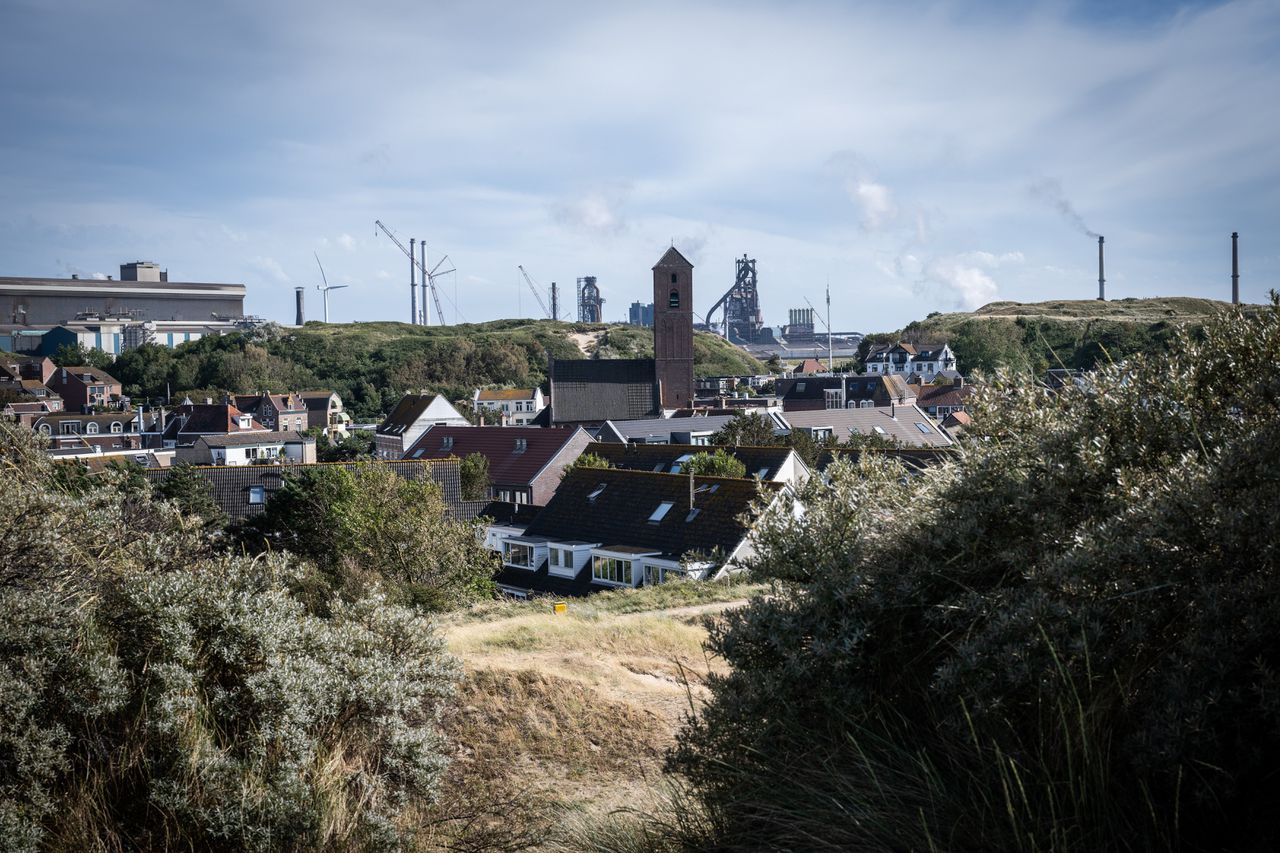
pixel 316 401
pixel 944 395
pixel 405 414
pixel 597 390
pixel 673 258
pixel 619 513
pixel 218 418
pixel 762 461
pixel 508 465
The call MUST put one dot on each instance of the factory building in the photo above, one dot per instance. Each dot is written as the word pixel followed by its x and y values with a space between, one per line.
pixel 114 315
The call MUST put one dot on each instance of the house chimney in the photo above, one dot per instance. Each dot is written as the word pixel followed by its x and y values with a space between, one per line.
pixel 1235 268
pixel 1102 282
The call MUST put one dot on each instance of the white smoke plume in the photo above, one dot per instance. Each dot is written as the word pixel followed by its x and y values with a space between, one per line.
pixel 1050 191
pixel 964 278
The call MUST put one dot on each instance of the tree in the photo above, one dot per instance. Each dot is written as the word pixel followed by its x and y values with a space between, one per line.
pixel 364 526
pixel 154 694
pixel 193 495
pixel 717 464
pixel 749 430
pixel 356 445
pixel 586 460
pixel 78 355
pixel 474 470
pixel 1064 638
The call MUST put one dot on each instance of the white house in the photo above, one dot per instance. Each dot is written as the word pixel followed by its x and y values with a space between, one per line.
pixel 412 416
pixel 518 406
pixel 910 359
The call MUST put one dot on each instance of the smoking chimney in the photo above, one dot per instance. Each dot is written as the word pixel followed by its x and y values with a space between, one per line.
pixel 1235 268
pixel 1102 281
pixel 298 299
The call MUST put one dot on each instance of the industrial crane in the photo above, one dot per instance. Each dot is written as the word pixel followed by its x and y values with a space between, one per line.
pixel 827 324
pixel 428 276
pixel 536 294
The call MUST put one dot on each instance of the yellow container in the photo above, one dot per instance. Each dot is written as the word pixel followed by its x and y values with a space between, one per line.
pixel 560 607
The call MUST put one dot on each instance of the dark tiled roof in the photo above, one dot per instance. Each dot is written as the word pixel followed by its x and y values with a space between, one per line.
pixel 213 418
pixel 90 375
pixel 655 457
pixel 508 464
pixel 619 513
pixel 673 258
pixel 405 414
pixel 596 390
pixel 316 401
pixel 231 483
pixel 944 395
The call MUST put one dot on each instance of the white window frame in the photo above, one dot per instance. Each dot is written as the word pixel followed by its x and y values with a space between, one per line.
pixel 117 427
pixel 615 571
pixel 259 492
pixel 529 553
pixel 91 428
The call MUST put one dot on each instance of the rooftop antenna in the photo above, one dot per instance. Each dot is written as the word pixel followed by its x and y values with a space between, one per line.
pixel 326 288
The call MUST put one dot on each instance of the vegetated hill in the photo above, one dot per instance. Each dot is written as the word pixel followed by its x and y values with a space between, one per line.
pixel 1063 333
pixel 372 364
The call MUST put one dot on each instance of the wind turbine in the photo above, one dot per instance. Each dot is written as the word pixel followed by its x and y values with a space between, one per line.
pixel 327 287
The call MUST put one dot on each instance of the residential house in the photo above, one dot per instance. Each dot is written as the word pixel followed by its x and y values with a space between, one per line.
pixel 810 367
pixel 83 388
pixel 190 421
pixel 518 406
pixel 525 465
pixel 908 426
pixel 771 464
pixel 250 448
pixel 610 528
pixel 279 412
pixel 802 393
pixel 94 432
pixel 242 491
pixel 412 416
pixel 905 359
pixel 324 412
pixel 942 400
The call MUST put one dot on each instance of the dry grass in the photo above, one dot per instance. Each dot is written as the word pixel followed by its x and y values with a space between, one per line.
pixel 566 717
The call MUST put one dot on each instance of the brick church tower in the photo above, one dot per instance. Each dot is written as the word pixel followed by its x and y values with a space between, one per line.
pixel 673 329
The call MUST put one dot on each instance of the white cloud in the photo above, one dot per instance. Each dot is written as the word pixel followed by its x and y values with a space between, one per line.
pixel 597 212
pixel 347 242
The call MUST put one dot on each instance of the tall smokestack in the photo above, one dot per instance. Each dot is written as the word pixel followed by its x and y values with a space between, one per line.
pixel 413 289
pixel 298 299
pixel 426 282
pixel 555 302
pixel 1102 281
pixel 1235 268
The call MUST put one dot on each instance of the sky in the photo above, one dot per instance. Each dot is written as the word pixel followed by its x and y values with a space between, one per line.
pixel 919 157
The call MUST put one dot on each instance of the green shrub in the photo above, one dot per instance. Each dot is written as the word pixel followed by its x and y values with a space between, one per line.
pixel 154 694
pixel 1067 638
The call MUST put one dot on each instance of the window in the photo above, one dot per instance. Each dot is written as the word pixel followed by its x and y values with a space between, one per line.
pixel 693 513
pixel 516 554
pixel 71 428
pixel 447 443
pixel 556 558
pixel 923 428
pixel 865 404
pixel 257 494
pixel 673 299
pixel 44 429
pixel 611 569
pixel 880 430
pixel 673 278
pixel 661 512
pixel 800 386
pixel 522 444
pixel 91 428
pixel 116 426
pixel 599 490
